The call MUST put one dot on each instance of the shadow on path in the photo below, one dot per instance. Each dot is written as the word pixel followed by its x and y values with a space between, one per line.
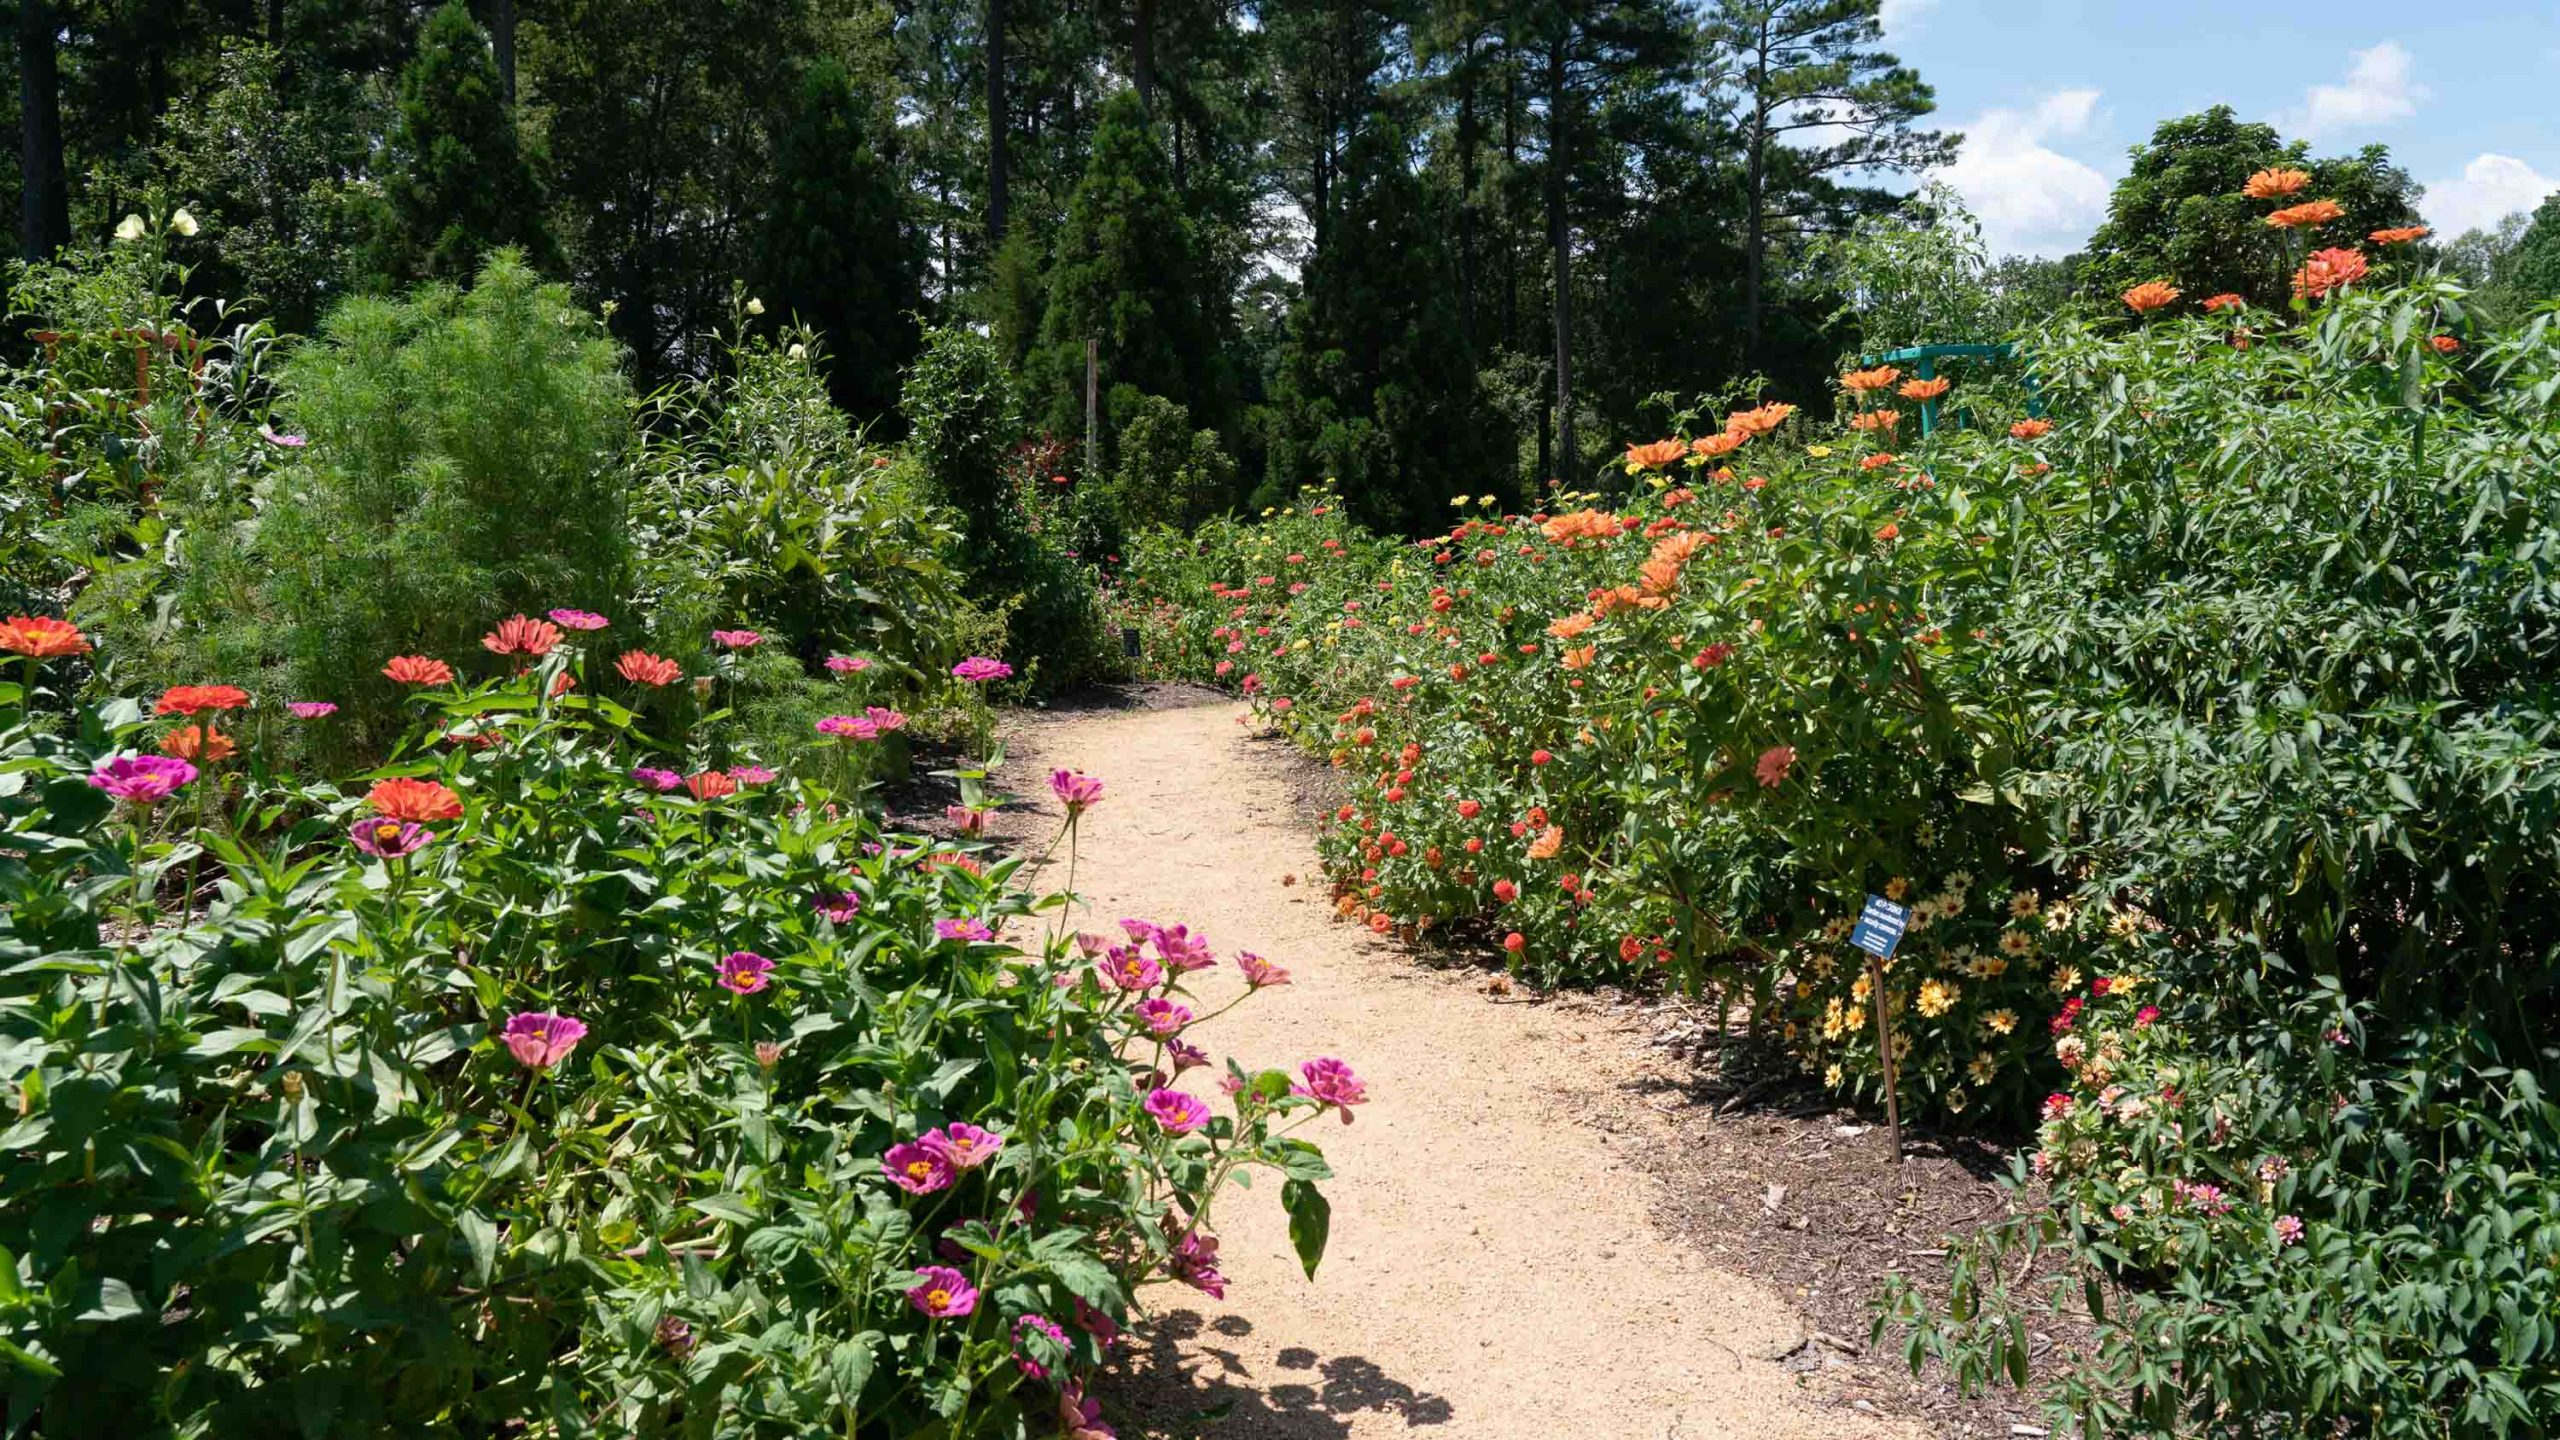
pixel 1189 1384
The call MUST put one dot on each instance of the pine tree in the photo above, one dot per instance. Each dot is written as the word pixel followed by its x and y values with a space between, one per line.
pixel 460 185
pixel 1123 275
pixel 838 254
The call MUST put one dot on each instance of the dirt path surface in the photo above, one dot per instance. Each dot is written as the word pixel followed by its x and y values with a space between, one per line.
pixel 1495 1269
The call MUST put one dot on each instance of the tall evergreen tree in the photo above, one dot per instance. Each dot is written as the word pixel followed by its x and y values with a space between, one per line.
pixel 837 251
pixel 45 198
pixel 1122 276
pixel 1818 102
pixel 460 184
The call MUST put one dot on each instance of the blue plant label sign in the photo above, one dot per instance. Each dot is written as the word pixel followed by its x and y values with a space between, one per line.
pixel 1880 926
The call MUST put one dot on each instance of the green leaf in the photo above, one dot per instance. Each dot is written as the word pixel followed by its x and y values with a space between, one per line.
pixel 732 1207
pixel 849 1367
pixel 1310 1221
pixel 480 1237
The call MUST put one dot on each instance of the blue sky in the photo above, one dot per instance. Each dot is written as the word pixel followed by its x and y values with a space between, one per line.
pixel 2051 96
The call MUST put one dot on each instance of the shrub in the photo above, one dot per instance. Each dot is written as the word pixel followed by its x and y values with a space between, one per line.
pixel 1169 473
pixel 522 1084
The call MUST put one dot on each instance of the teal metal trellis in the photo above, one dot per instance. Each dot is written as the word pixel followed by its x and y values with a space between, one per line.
pixel 1926 358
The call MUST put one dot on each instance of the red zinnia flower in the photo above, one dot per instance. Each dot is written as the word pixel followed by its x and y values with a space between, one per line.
pixel 192 700
pixel 418 670
pixel 42 637
pixel 642 668
pixel 517 635
pixel 710 785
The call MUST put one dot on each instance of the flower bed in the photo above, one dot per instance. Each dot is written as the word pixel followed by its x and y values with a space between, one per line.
pixel 552 1080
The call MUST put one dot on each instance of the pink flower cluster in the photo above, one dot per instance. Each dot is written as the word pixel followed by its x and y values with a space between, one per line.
pixel 933 1160
pixel 874 722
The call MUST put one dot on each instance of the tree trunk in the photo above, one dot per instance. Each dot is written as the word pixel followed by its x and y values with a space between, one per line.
pixel 1756 241
pixel 996 125
pixel 1560 241
pixel 275 22
pixel 45 205
pixel 1467 197
pixel 1142 55
pixel 502 47
pixel 1511 168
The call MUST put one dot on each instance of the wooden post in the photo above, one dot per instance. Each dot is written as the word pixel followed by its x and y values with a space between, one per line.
pixel 1884 1053
pixel 1092 393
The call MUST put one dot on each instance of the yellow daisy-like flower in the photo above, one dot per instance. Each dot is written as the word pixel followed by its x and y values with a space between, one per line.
pixel 2023 904
pixel 1955 1102
pixel 1896 888
pixel 1858 989
pixel 2013 942
pixel 1937 997
pixel 2066 980
pixel 2001 1022
pixel 1458 500
pixel 1485 500
pixel 1832 1077
pixel 1269 510
pixel 1823 965
pixel 1983 1068
pixel 1818 452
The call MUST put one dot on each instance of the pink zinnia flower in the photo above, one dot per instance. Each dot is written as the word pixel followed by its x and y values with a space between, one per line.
pixel 963 930
pixel 1331 1082
pixel 578 620
pixel 1195 1263
pixel 2056 1105
pixel 943 1293
pixel 1080 1417
pixel 1096 1323
pixel 311 709
pixel 967 819
pixel 751 774
pixel 540 1039
pixel 837 907
pixel 2143 1017
pixel 275 437
pixel 388 839
pixel 744 972
pixel 1026 1356
pixel 847 664
pixel 1075 790
pixel 2288 1229
pixel 1177 1112
pixel 737 639
pixel 917 1167
pixel 1182 950
pixel 662 781
pixel 978 669
pixel 963 1144
pixel 848 727
pixel 143 780
pixel 1774 764
pixel 1186 1056
pixel 1163 1017
pixel 1130 968
pixel 884 719
pixel 1259 972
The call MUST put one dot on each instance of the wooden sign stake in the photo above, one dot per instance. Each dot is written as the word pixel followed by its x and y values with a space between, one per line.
pixel 1884 1052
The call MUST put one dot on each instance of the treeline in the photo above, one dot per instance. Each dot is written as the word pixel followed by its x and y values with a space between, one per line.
pixel 1420 245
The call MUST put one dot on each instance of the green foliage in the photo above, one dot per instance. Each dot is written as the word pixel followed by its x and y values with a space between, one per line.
pixel 1169 473
pixel 275 1167
pixel 836 254
pixel 2178 214
pixel 1921 276
pixel 2529 275
pixel 460 185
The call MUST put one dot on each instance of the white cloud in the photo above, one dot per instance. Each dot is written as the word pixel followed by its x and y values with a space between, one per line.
pixel 2488 190
pixel 2381 86
pixel 1902 17
pixel 2032 199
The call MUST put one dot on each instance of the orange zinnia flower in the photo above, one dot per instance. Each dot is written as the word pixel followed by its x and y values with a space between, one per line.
pixel 2150 295
pixel 1924 389
pixel 2030 429
pixel 1655 455
pixel 1877 461
pixel 1580 659
pixel 1547 845
pixel 642 668
pixel 1723 442
pixel 1761 420
pixel 1570 626
pixel 2275 182
pixel 2307 214
pixel 711 785
pixel 1875 420
pixel 1862 381
pixel 2445 344
pixel 41 637
pixel 2326 270
pixel 193 700
pixel 2224 301
pixel 418 670
pixel 2400 235
pixel 516 635
pixel 198 742
pixel 1581 525
pixel 417 800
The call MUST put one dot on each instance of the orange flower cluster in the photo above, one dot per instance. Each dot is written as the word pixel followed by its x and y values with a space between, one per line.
pixel 2031 429
pixel 2307 214
pixel 2151 295
pixel 2445 344
pixel 2275 182
pixel 2400 235
pixel 1875 420
pixel 2327 270
pixel 1878 461
pixel 1760 420
pixel 1581 525
pixel 1861 382
pixel 1924 389
pixel 2224 301
pixel 1660 574
pixel 1722 443
pixel 1570 626
pixel 1655 455
pixel 41 637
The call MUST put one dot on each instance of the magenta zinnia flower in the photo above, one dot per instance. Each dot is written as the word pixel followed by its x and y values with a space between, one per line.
pixel 274 436
pixel 917 1167
pixel 963 1144
pixel 1195 1263
pixel 963 930
pixel 942 1292
pixel 1186 1056
pixel 1129 968
pixel 144 780
pixel 578 620
pixel 1075 790
pixel 1182 950
pixel 1177 1112
pixel 884 719
pixel 1047 1329
pixel 978 669
pixel 540 1039
pixel 311 709
pixel 1259 972
pixel 848 727
pixel 847 664
pixel 837 907
pixel 744 972
pixel 1163 1017
pixel 751 774
pixel 658 780
pixel 737 639
pixel 388 839
pixel 1331 1082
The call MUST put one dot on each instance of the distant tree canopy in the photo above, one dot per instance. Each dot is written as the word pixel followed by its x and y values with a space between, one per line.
pixel 2179 214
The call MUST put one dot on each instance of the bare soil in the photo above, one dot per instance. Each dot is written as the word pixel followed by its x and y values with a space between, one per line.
pixel 1542 1225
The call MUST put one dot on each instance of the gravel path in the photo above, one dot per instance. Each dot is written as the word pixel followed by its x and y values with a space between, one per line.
pixel 1495 1270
